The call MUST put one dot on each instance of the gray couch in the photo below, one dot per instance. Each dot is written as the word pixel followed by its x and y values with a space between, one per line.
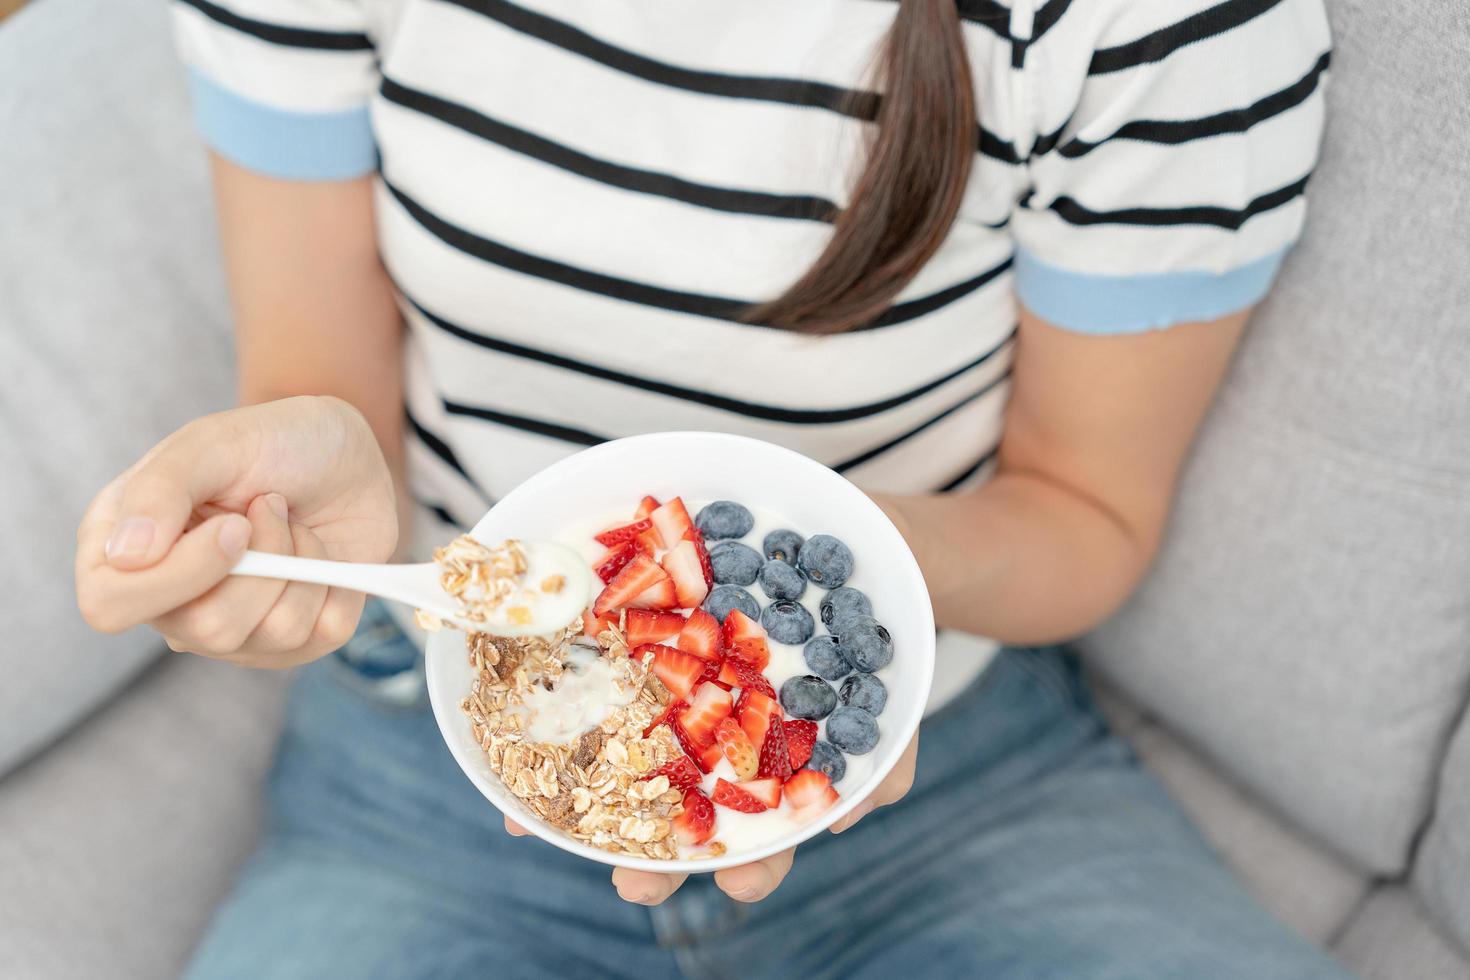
pixel 1296 669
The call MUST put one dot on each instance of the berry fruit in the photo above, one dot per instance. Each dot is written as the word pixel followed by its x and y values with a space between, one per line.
pixel 767 790
pixel 865 643
pixel 696 824
pixel 809 792
pixel 727 794
pixel 681 770
pixel 782 545
pixel 780 581
pixel 787 621
pixel 734 563
pixel 738 748
pixel 745 640
pixel 824 659
pixel 801 735
pixel 672 522
pixel 843 603
pixel 864 691
pixel 808 697
pixel 825 561
pixel 852 730
pixel 723 598
pixel 775 757
pixel 725 519
pixel 826 758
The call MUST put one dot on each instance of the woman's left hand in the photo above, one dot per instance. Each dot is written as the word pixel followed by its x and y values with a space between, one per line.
pixel 753 882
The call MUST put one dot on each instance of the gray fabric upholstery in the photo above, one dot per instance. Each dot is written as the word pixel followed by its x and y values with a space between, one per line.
pixel 109 277
pixel 118 843
pixel 1390 938
pixel 1308 623
pixel 1442 869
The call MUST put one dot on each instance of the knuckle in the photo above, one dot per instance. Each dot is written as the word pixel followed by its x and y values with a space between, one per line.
pixel 213 632
pixel 334 626
pixel 285 631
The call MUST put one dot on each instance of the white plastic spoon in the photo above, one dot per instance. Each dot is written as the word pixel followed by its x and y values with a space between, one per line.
pixel 418 586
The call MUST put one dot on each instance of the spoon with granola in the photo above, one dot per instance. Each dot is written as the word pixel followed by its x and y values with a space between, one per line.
pixel 516 588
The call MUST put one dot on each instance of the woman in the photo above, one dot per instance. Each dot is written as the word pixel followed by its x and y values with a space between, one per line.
pixel 603 219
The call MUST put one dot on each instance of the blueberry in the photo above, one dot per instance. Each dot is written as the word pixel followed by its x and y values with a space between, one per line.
pixel 782 546
pixel 841 603
pixel 863 691
pixel 724 519
pixel 825 561
pixel 808 697
pixel 852 730
pixel 865 643
pixel 734 563
pixel 723 598
pixel 824 659
pixel 780 581
pixel 826 758
pixel 787 621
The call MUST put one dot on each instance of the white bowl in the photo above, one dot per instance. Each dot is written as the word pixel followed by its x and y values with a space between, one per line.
pixel 701 466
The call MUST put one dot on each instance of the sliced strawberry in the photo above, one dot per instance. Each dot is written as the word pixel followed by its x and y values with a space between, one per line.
pixel 745 639
pixel 678 670
pixel 749 678
pixel 706 757
pixel 696 536
pixel 712 669
pixel 646 626
pixel 711 705
pixel 729 795
pixel 615 537
pixel 672 711
pixel 768 791
pixel 696 824
pixel 681 770
pixel 615 560
pixel 801 735
pixel 672 521
pixel 775 752
pixel 701 636
pixel 648 541
pixel 737 748
pixel 682 563
pixel 594 625
pixel 809 792
pixel 754 712
pixel 727 675
pixel 646 507
pixel 660 595
pixel 638 575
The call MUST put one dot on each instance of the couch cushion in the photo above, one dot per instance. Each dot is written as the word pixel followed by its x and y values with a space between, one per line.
pixel 113 328
pixel 1442 869
pixel 1391 938
pixel 119 841
pixel 1308 622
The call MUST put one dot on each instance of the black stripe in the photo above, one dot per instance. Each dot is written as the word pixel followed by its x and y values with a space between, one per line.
pixel 988 14
pixel 853 103
pixel 1047 142
pixel 774 413
pixel 1166 40
pixel 291 37
pixel 862 458
pixel 440 448
pixel 1174 131
pixel 1042 21
pixel 438 511
pixel 698 304
pixel 616 175
pixel 969 471
pixel 1231 218
pixel 526 424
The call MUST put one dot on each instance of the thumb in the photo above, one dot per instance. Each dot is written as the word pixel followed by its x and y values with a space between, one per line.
pixel 156 500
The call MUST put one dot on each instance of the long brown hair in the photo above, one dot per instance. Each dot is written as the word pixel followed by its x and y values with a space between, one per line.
pixel 906 199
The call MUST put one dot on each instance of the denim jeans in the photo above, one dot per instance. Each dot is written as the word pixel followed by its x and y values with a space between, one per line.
pixel 1032 846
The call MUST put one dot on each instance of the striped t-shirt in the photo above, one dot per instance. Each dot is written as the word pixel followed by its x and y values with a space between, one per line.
pixel 577 199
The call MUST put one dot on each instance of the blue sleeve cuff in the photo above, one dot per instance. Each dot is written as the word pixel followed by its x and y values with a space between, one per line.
pixel 1099 304
pixel 278 143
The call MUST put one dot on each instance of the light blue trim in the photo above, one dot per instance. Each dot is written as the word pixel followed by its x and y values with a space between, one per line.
pixel 278 143
pixel 1097 304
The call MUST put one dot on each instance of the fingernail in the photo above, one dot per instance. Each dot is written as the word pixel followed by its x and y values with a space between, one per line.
pixel 131 538
pixel 278 505
pixel 234 535
pixel 744 894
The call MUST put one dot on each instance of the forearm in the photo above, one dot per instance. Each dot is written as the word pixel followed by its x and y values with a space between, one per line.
pixel 1023 560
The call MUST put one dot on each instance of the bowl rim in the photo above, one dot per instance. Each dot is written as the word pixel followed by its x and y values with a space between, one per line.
pixel 447 714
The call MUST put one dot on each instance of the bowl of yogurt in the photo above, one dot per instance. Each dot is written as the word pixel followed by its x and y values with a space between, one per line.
pixel 542 727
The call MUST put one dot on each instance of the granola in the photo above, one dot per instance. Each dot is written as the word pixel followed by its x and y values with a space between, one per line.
pixel 479 577
pixel 595 788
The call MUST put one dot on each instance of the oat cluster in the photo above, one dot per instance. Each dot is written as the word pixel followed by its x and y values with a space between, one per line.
pixel 597 788
pixel 479 578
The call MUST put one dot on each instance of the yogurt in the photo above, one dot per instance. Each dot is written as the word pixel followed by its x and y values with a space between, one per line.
pixel 584 696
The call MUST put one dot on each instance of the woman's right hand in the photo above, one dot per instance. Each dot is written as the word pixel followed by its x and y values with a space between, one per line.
pixel 301 476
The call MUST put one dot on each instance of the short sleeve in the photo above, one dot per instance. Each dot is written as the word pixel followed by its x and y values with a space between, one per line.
pixel 281 87
pixel 1169 181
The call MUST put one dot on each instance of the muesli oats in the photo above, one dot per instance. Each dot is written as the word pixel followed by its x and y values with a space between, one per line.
pixel 479 577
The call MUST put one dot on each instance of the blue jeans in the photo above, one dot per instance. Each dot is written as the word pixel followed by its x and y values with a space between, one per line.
pixel 1032 846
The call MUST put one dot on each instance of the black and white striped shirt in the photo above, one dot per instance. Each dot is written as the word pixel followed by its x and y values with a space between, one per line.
pixel 577 197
